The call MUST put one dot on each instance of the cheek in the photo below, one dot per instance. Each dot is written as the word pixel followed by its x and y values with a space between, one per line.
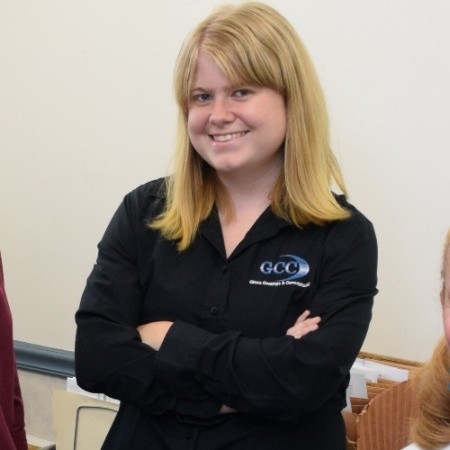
pixel 279 122
pixel 190 125
pixel 196 132
pixel 195 122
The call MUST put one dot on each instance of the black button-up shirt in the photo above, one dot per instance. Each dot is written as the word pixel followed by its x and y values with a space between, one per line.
pixel 228 344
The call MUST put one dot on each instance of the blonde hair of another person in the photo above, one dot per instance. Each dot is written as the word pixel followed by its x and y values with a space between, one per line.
pixel 431 426
pixel 254 45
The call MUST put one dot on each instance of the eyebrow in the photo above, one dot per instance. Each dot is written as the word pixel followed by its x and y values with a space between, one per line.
pixel 199 88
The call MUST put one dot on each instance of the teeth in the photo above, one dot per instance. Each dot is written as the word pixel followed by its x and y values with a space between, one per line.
pixel 227 137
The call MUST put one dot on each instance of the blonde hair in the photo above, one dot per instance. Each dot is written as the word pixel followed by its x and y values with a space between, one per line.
pixel 254 44
pixel 431 427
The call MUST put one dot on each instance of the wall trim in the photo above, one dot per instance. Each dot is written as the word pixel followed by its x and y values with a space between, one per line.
pixel 46 360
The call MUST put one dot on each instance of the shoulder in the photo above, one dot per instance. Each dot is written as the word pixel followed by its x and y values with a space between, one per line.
pixel 356 227
pixel 147 199
pixel 356 216
pixel 139 206
pixel 351 244
pixel 150 191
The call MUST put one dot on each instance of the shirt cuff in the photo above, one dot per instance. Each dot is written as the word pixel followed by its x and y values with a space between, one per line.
pixel 176 365
pixel 177 360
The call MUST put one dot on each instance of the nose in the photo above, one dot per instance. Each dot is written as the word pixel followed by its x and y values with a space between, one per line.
pixel 221 112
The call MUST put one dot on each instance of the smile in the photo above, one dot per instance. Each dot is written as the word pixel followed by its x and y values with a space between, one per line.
pixel 228 136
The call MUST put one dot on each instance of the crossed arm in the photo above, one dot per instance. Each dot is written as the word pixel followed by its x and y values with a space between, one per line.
pixel 153 333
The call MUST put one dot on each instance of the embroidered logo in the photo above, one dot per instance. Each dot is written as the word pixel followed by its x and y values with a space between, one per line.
pixel 283 271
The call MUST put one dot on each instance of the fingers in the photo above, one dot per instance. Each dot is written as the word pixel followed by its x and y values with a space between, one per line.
pixel 303 316
pixel 303 325
pixel 226 410
pixel 153 333
pixel 298 332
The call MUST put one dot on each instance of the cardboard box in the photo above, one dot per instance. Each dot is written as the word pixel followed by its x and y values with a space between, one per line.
pixel 381 422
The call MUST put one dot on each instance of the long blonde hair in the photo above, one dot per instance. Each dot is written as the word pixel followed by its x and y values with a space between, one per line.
pixel 254 44
pixel 431 426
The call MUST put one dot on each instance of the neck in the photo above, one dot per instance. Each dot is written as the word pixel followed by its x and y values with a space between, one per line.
pixel 245 199
pixel 243 190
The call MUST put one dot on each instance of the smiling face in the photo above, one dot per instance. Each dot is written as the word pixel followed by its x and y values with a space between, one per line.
pixel 445 293
pixel 235 129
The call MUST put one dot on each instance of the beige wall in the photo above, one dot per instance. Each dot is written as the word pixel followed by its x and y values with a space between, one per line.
pixel 87 114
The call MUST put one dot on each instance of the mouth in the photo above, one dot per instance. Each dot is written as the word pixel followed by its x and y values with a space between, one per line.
pixel 227 137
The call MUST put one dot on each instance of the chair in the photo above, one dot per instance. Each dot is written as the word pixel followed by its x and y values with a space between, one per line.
pixel 81 422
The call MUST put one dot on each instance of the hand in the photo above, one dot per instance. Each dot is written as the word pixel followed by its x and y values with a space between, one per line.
pixel 303 325
pixel 153 333
pixel 226 410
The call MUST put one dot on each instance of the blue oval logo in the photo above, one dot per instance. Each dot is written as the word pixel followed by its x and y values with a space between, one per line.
pixel 291 266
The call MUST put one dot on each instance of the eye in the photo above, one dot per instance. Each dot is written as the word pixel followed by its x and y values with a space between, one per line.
pixel 201 98
pixel 242 93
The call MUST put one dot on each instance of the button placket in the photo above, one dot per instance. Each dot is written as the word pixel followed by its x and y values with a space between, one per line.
pixel 217 296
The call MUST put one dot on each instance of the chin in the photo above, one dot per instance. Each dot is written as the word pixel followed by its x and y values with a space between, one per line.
pixel 227 167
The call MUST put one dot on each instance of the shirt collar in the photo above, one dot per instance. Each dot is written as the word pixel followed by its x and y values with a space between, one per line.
pixel 266 226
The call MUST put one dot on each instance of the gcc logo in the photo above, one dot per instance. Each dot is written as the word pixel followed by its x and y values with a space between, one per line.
pixel 291 266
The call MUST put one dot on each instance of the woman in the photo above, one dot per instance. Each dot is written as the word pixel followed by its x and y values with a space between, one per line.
pixel 431 428
pixel 12 425
pixel 204 281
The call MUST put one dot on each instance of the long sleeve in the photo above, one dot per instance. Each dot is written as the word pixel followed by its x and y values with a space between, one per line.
pixel 12 422
pixel 109 355
pixel 227 344
pixel 280 377
pixel 18 427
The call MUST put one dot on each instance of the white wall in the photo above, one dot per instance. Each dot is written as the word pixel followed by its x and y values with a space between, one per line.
pixel 86 114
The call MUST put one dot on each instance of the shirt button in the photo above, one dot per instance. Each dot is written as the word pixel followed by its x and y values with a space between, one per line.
pixel 225 268
pixel 188 435
pixel 214 310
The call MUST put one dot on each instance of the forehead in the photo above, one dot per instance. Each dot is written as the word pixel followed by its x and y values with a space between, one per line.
pixel 207 70
pixel 220 66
